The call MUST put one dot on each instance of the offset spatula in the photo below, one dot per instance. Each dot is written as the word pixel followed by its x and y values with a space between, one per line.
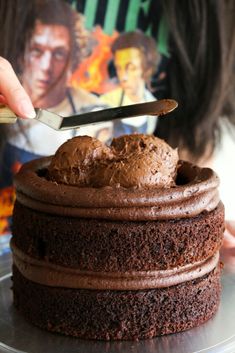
pixel 57 122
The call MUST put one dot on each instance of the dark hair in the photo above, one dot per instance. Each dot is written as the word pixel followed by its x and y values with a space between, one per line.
pixel 147 47
pixel 200 73
pixel 17 22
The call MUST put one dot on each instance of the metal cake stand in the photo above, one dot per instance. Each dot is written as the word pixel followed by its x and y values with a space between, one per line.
pixel 215 336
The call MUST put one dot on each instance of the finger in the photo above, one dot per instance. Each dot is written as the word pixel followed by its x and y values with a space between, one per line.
pixel 3 99
pixel 14 93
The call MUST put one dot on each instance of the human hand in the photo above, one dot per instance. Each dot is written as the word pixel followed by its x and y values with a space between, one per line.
pixel 12 93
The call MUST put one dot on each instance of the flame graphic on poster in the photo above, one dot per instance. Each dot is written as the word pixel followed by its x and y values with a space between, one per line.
pixel 7 198
pixel 92 74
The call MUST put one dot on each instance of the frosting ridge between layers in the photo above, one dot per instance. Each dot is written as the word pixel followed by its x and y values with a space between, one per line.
pixel 49 274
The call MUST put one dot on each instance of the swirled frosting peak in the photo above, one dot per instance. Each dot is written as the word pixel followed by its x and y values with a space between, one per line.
pixel 139 161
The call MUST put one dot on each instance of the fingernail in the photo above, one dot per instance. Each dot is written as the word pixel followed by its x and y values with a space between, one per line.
pixel 27 109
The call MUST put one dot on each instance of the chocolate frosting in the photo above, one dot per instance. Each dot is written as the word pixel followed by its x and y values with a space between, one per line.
pixel 140 161
pixel 196 190
pixel 75 161
pixel 53 275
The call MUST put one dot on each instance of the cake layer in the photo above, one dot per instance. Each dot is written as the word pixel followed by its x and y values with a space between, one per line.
pixel 95 314
pixel 113 246
pixel 48 274
pixel 197 191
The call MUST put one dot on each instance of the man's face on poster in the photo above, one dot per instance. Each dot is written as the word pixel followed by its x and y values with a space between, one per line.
pixel 128 63
pixel 46 65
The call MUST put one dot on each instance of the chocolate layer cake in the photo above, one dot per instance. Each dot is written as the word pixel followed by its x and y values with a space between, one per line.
pixel 116 242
